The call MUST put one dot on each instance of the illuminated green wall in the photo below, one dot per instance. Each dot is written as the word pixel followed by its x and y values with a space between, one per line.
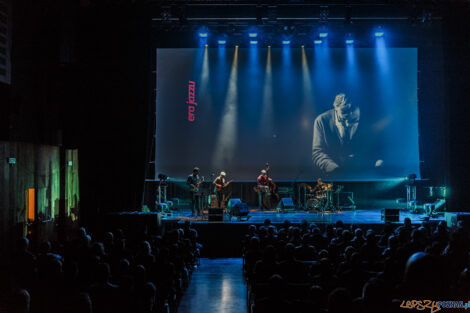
pixel 72 193
pixel 38 167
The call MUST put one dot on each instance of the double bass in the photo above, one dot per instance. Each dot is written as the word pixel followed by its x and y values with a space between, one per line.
pixel 271 197
pixel 272 200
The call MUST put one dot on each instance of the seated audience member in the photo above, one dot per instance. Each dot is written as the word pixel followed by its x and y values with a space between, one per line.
pixel 267 266
pixel 104 295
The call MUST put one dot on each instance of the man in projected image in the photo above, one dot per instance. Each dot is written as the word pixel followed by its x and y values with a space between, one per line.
pixel 337 141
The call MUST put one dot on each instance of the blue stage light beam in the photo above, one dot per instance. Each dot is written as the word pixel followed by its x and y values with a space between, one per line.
pixel 351 63
pixel 381 54
pixel 205 70
pixel 307 103
pixel 204 89
pixel 267 112
pixel 226 141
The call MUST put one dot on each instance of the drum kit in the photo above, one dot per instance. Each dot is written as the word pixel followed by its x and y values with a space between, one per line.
pixel 320 198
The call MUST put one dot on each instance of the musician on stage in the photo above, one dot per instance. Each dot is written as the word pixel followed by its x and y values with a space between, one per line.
pixel 193 182
pixel 322 186
pixel 319 185
pixel 263 186
pixel 324 191
pixel 219 188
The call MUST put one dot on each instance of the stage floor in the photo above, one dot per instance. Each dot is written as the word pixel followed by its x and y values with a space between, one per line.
pixel 256 216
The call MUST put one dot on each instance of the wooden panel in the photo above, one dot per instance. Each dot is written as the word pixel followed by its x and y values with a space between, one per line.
pixel 31 204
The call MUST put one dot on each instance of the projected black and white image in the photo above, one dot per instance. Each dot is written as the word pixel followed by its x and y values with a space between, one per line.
pixel 337 143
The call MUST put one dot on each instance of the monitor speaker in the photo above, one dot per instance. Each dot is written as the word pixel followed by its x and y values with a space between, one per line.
pixel 287 204
pixel 240 209
pixel 232 202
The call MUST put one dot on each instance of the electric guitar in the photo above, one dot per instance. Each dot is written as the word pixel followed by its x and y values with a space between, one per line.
pixel 223 186
pixel 196 185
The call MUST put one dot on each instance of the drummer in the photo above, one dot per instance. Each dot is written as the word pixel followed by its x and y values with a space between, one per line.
pixel 322 186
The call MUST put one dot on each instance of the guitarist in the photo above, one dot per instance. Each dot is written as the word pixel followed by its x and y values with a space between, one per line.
pixel 219 188
pixel 193 182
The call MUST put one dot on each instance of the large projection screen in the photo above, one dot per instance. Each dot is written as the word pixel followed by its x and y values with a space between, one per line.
pixel 234 109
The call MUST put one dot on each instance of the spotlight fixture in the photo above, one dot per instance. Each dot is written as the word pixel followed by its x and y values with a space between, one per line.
pixel 379 32
pixel 259 15
pixel 324 12
pixel 271 13
pixel 162 177
pixel 411 178
pixel 181 14
pixel 166 15
pixel 348 16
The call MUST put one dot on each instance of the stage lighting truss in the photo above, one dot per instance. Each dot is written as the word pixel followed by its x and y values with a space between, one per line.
pixel 302 23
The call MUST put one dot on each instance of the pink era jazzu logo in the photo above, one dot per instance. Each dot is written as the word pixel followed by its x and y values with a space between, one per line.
pixel 191 100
